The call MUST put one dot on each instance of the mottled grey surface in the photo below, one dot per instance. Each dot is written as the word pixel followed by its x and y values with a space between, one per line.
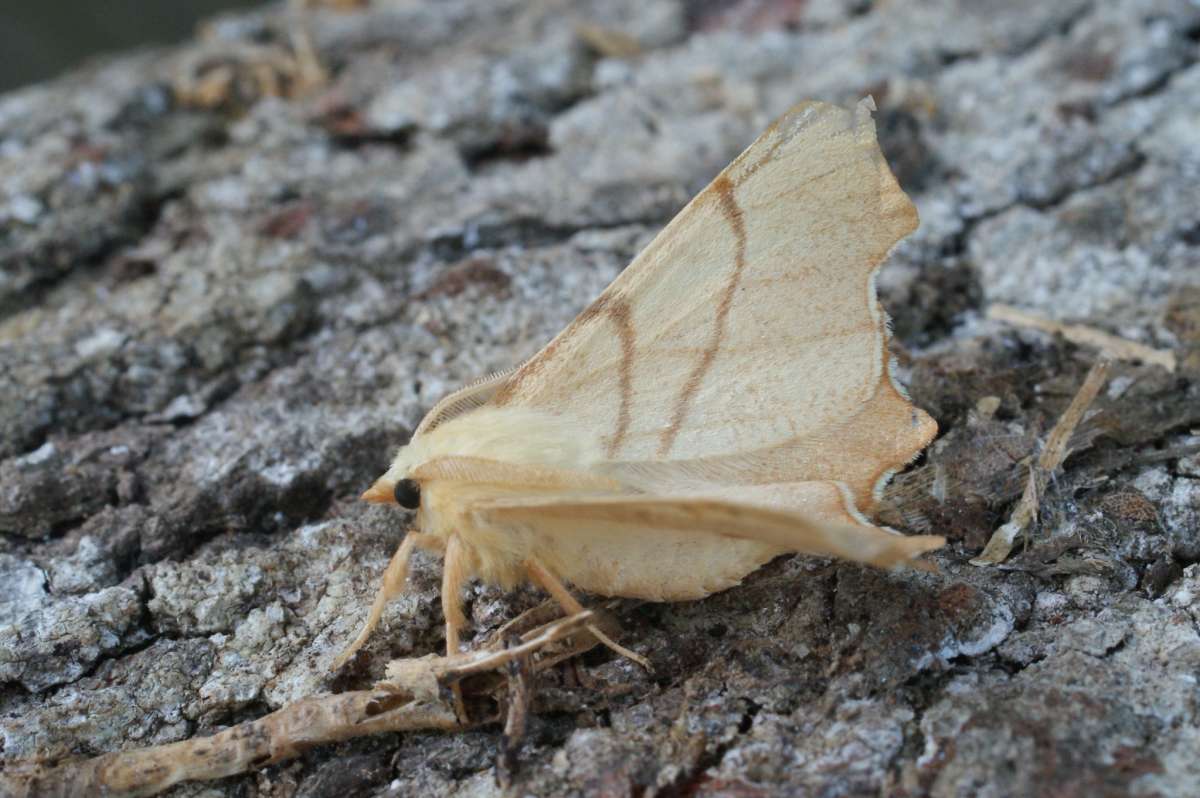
pixel 217 320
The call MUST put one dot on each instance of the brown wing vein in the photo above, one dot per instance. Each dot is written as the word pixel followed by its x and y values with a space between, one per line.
pixel 618 312
pixel 722 189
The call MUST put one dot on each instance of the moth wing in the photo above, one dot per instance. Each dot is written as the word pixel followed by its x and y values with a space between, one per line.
pixel 750 324
pixel 678 547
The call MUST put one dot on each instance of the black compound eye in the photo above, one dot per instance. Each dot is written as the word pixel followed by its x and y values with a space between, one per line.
pixel 408 494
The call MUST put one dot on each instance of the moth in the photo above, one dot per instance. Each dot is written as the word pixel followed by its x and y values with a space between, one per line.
pixel 727 399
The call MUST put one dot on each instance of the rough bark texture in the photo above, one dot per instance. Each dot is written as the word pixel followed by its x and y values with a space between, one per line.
pixel 223 303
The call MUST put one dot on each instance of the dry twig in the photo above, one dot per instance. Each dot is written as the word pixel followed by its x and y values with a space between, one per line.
pixel 409 699
pixel 1111 346
pixel 222 74
pixel 1055 451
pixel 518 700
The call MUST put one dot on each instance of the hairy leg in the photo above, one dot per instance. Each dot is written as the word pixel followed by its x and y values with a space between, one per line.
pixel 454 574
pixel 394 578
pixel 558 591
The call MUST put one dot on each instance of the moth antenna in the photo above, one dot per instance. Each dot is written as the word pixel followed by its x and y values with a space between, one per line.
pixel 472 395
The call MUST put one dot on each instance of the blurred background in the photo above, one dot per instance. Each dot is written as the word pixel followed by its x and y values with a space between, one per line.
pixel 43 39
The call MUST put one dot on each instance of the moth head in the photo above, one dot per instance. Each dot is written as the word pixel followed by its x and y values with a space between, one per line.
pixel 405 492
pixel 397 486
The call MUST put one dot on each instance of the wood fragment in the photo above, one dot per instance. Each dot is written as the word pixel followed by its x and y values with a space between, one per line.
pixel 247 746
pixel 607 42
pixel 225 74
pixel 407 675
pixel 1171 453
pixel 310 74
pixel 1111 346
pixel 1053 454
pixel 411 699
pixel 518 701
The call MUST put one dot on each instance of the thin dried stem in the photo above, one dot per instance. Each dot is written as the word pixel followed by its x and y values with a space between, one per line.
pixel 408 701
pixel 1111 346
pixel 518 700
pixel 1053 454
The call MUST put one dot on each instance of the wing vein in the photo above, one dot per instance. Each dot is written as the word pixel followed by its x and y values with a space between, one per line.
pixel 722 188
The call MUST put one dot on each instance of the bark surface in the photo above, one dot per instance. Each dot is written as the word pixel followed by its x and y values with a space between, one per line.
pixel 233 275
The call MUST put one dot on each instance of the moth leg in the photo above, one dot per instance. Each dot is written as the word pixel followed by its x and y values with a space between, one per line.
pixel 558 591
pixel 394 578
pixel 454 574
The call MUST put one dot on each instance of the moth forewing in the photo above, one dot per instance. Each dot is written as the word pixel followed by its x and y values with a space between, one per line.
pixel 751 323
pixel 728 398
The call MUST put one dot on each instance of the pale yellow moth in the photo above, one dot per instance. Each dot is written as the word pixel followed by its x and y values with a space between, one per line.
pixel 726 400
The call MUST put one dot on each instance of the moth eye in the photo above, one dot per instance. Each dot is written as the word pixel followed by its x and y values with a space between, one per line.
pixel 408 494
